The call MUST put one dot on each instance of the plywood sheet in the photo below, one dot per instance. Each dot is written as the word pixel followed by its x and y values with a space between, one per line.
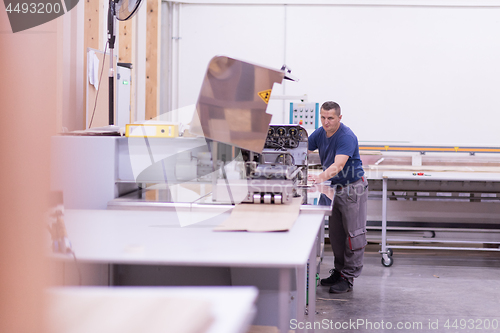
pixel 262 218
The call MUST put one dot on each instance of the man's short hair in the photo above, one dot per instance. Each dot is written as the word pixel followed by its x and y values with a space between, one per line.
pixel 327 106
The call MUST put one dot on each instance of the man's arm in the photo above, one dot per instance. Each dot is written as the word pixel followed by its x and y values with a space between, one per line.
pixel 335 168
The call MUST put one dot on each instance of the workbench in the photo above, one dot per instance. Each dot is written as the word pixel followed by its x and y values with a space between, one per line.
pixel 450 208
pixel 130 237
pixel 226 309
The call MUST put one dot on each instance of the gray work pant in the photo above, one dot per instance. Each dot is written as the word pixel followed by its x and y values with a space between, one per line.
pixel 347 228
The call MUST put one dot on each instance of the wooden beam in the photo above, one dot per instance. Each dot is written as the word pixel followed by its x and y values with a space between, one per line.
pixel 125 41
pixel 152 33
pixel 126 54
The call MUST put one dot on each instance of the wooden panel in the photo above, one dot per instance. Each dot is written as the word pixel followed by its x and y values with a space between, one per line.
pixel 152 48
pixel 92 28
pixel 125 41
pixel 126 54
pixel 133 74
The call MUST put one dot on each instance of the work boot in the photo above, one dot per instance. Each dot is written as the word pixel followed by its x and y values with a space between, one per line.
pixel 342 286
pixel 332 279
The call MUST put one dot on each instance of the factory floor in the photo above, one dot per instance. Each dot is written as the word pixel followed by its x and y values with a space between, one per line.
pixel 424 291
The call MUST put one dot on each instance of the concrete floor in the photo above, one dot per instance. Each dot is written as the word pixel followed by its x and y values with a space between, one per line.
pixel 422 292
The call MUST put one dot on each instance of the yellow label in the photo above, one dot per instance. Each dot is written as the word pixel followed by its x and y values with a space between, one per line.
pixel 151 131
pixel 265 95
pixel 165 131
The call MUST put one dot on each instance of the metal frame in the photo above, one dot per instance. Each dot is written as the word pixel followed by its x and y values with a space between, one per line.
pixel 386 250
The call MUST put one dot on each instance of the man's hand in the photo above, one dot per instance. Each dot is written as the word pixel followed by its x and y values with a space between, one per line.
pixel 316 179
pixel 335 168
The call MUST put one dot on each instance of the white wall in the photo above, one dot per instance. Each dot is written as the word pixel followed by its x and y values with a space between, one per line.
pixel 246 32
pixel 422 74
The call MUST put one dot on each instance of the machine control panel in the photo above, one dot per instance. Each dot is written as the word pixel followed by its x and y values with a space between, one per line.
pixel 305 115
pixel 285 136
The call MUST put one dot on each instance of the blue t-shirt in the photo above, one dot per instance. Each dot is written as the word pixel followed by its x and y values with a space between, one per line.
pixel 343 142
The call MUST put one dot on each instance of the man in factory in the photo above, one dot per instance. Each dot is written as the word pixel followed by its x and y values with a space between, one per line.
pixel 339 154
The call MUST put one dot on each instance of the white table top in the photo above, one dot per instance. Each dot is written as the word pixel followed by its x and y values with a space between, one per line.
pixel 442 176
pixel 232 308
pixel 156 238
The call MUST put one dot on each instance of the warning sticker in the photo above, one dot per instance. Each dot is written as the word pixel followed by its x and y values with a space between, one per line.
pixel 265 95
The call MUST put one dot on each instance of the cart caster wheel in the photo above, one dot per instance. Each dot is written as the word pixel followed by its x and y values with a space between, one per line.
pixel 389 252
pixel 387 263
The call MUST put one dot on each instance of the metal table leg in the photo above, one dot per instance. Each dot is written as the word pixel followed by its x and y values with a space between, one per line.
pixel 284 292
pixel 311 308
pixel 301 295
pixel 386 256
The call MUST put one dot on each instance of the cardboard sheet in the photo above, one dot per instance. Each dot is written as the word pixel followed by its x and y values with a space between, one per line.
pixel 266 329
pixel 263 329
pixel 262 217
